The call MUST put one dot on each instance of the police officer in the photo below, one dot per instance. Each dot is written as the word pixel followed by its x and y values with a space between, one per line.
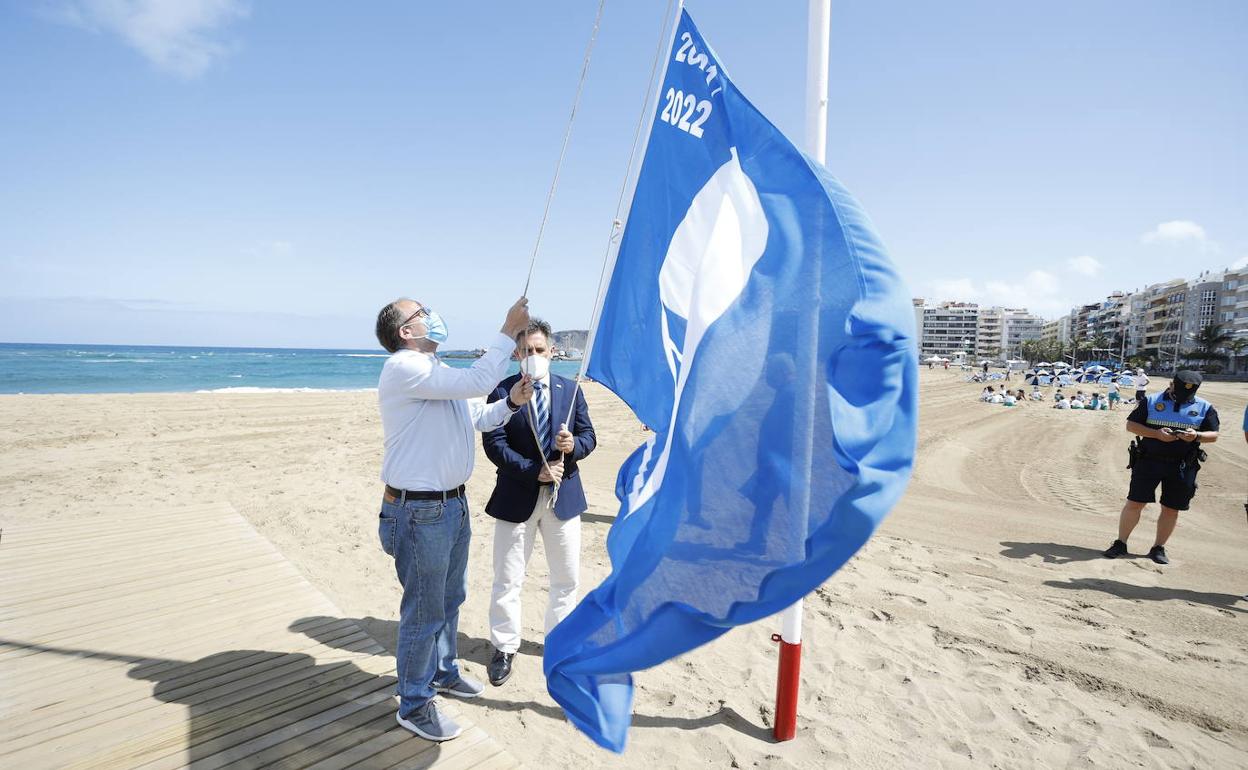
pixel 1170 427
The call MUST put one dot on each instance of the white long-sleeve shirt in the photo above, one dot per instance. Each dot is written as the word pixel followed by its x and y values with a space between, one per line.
pixel 428 414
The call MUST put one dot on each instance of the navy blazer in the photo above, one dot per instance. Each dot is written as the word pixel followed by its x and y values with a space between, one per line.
pixel 518 457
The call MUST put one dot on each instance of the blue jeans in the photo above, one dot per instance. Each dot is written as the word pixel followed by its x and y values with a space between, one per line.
pixel 429 542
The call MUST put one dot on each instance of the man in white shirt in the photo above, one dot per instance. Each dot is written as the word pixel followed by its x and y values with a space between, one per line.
pixel 428 414
pixel 1141 386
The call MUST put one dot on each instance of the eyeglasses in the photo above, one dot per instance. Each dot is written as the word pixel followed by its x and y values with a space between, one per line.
pixel 422 312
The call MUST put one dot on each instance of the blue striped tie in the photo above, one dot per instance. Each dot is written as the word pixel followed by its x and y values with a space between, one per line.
pixel 543 416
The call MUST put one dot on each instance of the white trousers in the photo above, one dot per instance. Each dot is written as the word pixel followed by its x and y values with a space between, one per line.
pixel 513 544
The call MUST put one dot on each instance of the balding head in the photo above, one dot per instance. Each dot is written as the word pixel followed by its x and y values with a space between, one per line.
pixel 389 320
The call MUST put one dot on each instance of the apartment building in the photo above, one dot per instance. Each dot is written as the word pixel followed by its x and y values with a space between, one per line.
pixel 1235 302
pixel 948 328
pixel 1161 321
pixel 1020 326
pixel 1057 330
pixel 1163 318
pixel 990 331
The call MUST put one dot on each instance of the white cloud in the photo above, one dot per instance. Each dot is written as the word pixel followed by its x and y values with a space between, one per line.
pixel 958 289
pixel 1175 231
pixel 1084 265
pixel 1039 291
pixel 178 36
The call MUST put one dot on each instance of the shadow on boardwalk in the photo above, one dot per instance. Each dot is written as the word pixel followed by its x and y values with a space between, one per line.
pixel 255 708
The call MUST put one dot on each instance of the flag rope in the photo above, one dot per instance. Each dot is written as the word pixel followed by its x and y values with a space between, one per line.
pixel 567 134
pixel 617 222
pixel 541 228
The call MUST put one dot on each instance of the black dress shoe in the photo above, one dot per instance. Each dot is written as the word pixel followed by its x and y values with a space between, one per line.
pixel 499 669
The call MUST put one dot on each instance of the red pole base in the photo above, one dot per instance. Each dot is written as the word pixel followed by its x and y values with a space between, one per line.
pixel 786 689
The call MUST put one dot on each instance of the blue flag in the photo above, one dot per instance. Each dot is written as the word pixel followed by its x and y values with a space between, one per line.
pixel 755 323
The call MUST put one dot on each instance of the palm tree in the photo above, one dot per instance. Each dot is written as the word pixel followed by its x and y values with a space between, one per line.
pixel 1236 346
pixel 1210 341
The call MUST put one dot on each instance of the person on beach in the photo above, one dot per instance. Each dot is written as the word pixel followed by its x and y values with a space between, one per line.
pixel 1141 383
pixel 1113 395
pixel 1062 402
pixel 538 490
pixel 1170 427
pixel 428 414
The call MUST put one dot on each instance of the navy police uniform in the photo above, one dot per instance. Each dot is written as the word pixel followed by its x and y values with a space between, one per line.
pixel 1172 464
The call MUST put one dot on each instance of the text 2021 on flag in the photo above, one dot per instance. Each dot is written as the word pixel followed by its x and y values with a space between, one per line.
pixel 755 322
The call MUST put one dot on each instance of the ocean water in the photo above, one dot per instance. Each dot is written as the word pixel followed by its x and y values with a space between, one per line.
pixel 29 368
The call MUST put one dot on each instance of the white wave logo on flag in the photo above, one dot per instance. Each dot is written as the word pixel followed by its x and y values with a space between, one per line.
pixel 707 265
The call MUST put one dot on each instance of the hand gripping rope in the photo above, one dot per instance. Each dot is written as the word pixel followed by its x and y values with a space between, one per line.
pixel 617 224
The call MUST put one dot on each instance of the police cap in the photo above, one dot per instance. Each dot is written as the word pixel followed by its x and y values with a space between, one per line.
pixel 1191 380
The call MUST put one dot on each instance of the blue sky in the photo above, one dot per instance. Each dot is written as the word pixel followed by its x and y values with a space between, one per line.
pixel 224 172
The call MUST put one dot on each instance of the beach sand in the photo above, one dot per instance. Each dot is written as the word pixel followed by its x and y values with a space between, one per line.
pixel 979 627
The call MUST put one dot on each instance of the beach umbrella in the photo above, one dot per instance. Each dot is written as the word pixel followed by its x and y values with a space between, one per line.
pixel 933 360
pixel 1043 364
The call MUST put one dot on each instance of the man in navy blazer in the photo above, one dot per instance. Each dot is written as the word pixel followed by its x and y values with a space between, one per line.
pixel 531 450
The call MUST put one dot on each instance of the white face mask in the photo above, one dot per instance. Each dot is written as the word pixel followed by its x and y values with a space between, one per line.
pixel 535 366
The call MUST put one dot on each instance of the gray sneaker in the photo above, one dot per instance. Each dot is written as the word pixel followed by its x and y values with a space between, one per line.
pixel 431 723
pixel 463 687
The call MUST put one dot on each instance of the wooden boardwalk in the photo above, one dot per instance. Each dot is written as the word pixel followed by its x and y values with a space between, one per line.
pixel 185 639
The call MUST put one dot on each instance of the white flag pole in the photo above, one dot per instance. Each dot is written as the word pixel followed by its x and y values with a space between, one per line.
pixel 818 43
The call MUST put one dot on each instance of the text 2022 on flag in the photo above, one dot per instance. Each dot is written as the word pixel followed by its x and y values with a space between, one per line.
pixel 755 322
